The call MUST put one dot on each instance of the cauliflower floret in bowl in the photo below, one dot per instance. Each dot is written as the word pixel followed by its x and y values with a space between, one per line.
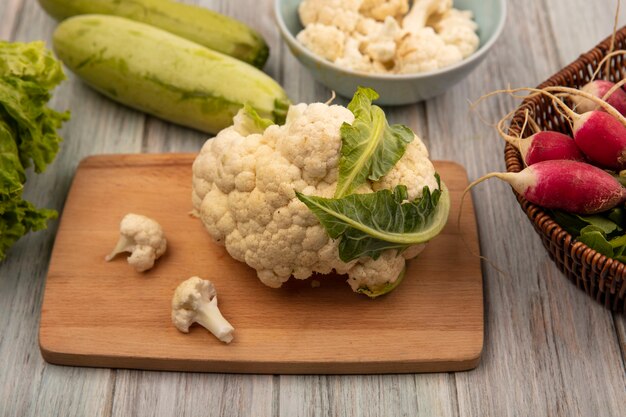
pixel 361 55
pixel 255 192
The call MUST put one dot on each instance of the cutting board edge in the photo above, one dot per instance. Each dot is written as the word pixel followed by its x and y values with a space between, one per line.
pixel 256 367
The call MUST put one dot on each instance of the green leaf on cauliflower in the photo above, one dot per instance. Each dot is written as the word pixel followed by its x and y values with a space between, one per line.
pixel 28 133
pixel 249 121
pixel 368 224
pixel 370 147
pixel 281 107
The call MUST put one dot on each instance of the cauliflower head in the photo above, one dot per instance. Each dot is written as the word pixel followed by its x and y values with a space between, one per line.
pixel 244 188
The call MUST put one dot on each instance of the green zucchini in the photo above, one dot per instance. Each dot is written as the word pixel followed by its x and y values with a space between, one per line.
pixel 163 74
pixel 198 24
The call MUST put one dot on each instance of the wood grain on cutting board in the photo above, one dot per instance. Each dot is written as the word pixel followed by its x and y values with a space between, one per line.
pixel 105 314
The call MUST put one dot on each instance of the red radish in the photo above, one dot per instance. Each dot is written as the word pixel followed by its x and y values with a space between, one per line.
pixel 600 136
pixel 542 145
pixel 546 146
pixel 599 88
pixel 603 143
pixel 604 89
pixel 572 186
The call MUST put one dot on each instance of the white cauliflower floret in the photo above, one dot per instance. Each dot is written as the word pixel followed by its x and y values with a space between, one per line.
pixel 268 227
pixel 343 14
pixel 323 40
pixel 195 301
pixel 381 9
pixel 381 45
pixel 457 28
pixel 353 58
pixel 143 237
pixel 414 170
pixel 423 51
pixel 421 11
pixel 365 275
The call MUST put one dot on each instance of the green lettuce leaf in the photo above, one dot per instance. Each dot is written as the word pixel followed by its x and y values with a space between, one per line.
pixel 370 147
pixel 18 217
pixel 28 133
pixel 368 224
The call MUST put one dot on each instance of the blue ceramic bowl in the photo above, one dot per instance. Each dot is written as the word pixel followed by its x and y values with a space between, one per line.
pixel 402 88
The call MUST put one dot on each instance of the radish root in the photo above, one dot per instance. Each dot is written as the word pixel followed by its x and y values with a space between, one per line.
pixel 547 91
pixel 534 126
pixel 606 106
pixel 526 117
pixel 612 45
pixel 458 225
pixel 605 60
pixel 474 104
pixel 332 98
pixel 510 139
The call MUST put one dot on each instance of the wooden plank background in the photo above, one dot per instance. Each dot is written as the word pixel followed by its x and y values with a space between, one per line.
pixel 549 349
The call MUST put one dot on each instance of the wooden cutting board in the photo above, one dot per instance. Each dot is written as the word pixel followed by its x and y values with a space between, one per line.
pixel 98 313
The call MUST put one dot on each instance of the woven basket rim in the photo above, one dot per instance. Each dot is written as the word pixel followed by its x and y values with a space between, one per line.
pixel 543 221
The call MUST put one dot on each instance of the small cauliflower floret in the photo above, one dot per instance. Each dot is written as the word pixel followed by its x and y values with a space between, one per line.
pixel 421 11
pixel 300 144
pixel 343 14
pixel 414 170
pixel 323 40
pixel 353 58
pixel 268 227
pixel 381 45
pixel 381 9
pixel 423 51
pixel 457 28
pixel 143 237
pixel 372 276
pixel 367 26
pixel 195 301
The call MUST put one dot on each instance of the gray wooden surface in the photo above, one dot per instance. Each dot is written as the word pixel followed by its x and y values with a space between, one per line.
pixel 549 349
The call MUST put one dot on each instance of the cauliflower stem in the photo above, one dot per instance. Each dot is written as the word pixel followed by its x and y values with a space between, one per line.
pixel 210 317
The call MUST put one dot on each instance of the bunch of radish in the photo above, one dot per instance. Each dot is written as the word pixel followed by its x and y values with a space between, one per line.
pixel 577 173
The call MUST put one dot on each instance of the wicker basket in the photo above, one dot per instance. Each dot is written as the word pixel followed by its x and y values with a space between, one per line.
pixel 600 277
